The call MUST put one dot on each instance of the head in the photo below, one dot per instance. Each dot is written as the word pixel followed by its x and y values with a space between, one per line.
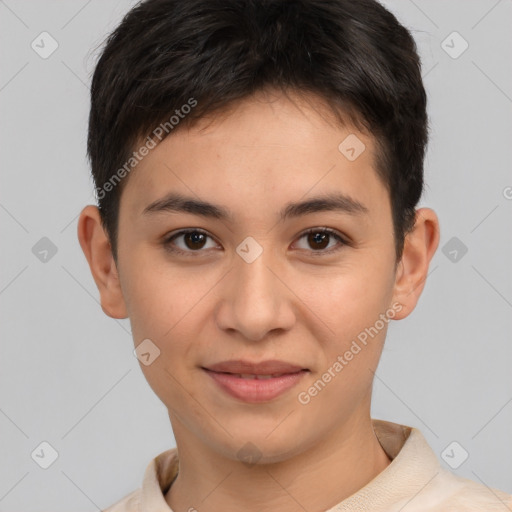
pixel 264 119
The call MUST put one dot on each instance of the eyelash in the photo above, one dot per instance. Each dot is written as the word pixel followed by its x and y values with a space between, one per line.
pixel 168 241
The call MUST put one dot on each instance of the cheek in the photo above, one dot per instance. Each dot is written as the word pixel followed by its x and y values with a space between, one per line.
pixel 351 306
pixel 162 308
pixel 159 296
pixel 349 299
pixel 350 302
pixel 170 307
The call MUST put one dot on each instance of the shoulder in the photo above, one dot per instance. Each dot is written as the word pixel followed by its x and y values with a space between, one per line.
pixel 130 503
pixel 447 491
pixel 475 496
pixel 159 475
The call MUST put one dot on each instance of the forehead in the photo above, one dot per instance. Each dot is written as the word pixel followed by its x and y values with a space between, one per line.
pixel 262 148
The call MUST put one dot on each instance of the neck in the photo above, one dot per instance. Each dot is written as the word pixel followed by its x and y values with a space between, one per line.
pixel 314 480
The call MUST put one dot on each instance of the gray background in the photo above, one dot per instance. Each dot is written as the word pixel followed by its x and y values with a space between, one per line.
pixel 67 372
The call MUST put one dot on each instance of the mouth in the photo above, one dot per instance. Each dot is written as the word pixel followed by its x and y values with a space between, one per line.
pixel 255 376
pixel 255 382
pixel 269 367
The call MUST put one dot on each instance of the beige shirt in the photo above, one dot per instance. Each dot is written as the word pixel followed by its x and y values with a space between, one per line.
pixel 414 481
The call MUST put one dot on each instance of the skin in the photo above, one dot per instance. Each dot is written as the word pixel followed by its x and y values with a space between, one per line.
pixel 292 303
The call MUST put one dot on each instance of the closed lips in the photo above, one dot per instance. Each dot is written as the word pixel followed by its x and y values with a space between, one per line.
pixel 247 369
pixel 255 376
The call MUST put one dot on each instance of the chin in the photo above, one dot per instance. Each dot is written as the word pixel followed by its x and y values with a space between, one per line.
pixel 259 449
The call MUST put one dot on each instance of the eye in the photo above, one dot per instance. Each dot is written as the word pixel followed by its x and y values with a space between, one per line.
pixel 319 238
pixel 193 239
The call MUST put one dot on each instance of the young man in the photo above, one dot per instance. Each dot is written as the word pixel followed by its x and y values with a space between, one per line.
pixel 258 164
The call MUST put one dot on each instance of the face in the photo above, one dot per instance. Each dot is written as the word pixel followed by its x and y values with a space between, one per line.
pixel 255 276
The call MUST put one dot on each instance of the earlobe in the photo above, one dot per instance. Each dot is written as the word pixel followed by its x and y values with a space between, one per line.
pixel 419 248
pixel 97 250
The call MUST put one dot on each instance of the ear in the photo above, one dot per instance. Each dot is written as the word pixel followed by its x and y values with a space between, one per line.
pixel 97 249
pixel 419 247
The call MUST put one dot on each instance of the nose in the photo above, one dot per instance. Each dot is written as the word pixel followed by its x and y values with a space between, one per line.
pixel 255 300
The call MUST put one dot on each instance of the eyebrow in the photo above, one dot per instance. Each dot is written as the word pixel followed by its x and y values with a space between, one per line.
pixel 175 202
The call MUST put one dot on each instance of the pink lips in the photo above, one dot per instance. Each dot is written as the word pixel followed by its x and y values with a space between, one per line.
pixel 255 382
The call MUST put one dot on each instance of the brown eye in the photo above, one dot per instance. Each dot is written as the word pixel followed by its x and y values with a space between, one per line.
pixel 192 240
pixel 318 239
